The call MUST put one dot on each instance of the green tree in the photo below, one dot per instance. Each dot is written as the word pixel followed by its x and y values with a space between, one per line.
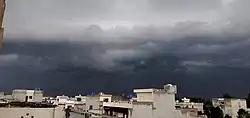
pixel 227 116
pixel 207 108
pixel 248 100
pixel 243 113
pixel 212 112
pixel 227 96
pixel 197 100
pixel 216 112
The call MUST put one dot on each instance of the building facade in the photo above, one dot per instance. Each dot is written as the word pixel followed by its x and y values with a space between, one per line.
pixel 149 103
pixel 230 106
pixel 23 95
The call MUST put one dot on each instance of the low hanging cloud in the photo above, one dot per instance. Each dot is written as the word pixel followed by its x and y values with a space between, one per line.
pixel 88 38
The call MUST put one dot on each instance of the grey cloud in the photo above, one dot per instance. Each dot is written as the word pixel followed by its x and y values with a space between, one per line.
pixel 58 40
pixel 197 63
pixel 54 15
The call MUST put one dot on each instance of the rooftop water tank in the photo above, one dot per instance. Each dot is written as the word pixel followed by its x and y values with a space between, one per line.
pixel 171 89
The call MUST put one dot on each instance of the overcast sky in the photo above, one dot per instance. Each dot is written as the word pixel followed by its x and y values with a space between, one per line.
pixel 206 39
pixel 56 16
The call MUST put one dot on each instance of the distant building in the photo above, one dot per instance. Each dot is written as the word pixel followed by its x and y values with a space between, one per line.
pixel 230 106
pixel 23 110
pixel 1 94
pixel 27 95
pixel 94 103
pixel 80 99
pixel 61 100
pixel 191 108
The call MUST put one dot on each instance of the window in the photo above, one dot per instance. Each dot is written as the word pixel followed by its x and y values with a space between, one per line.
pixel 30 97
pixel 32 116
pixel 105 100
pixel 22 117
pixel 78 99
pixel 90 107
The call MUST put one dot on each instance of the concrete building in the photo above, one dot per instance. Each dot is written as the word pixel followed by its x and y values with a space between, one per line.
pixel 186 104
pixel 230 106
pixel 80 99
pixel 94 103
pixel 27 95
pixel 80 102
pixel 160 103
pixel 105 97
pixel 61 100
pixel 189 108
pixel 24 110
pixel 149 103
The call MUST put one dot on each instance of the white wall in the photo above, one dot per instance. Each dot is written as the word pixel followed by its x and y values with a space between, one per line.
pixel 36 112
pixel 19 95
pixel 36 96
pixel 164 104
pixel 105 97
pixel 95 102
pixel 178 114
pixel 141 110
pixel 236 105
pixel 145 97
pixel 62 99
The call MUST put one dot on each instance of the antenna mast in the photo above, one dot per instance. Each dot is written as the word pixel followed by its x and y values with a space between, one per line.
pixel 2 10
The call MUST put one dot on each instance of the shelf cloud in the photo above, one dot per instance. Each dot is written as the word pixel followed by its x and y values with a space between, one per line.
pixel 133 39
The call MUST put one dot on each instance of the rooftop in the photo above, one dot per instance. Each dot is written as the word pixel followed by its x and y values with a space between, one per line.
pixel 26 105
pixel 222 99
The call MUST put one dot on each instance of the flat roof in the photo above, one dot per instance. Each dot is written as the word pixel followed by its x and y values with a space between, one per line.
pixel 228 99
pixel 26 105
pixel 143 90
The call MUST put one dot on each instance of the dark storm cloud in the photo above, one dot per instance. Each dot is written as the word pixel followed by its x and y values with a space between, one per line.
pixel 191 44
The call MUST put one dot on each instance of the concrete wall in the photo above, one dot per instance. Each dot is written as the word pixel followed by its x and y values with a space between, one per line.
pixel 145 97
pixel 36 112
pixel 19 95
pixel 93 101
pixel 102 98
pixel 142 111
pixel 178 114
pixel 36 96
pixel 198 106
pixel 236 105
pixel 230 106
pixel 164 105
pixel 118 104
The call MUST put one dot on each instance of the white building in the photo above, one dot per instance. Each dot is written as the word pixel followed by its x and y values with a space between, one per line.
pixel 25 112
pixel 150 103
pixel 80 102
pixel 190 108
pixel 186 104
pixel 80 99
pixel 230 106
pixel 61 100
pixel 158 103
pixel 27 95
pixel 186 100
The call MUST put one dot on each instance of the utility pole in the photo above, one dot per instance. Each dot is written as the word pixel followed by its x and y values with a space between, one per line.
pixel 2 11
